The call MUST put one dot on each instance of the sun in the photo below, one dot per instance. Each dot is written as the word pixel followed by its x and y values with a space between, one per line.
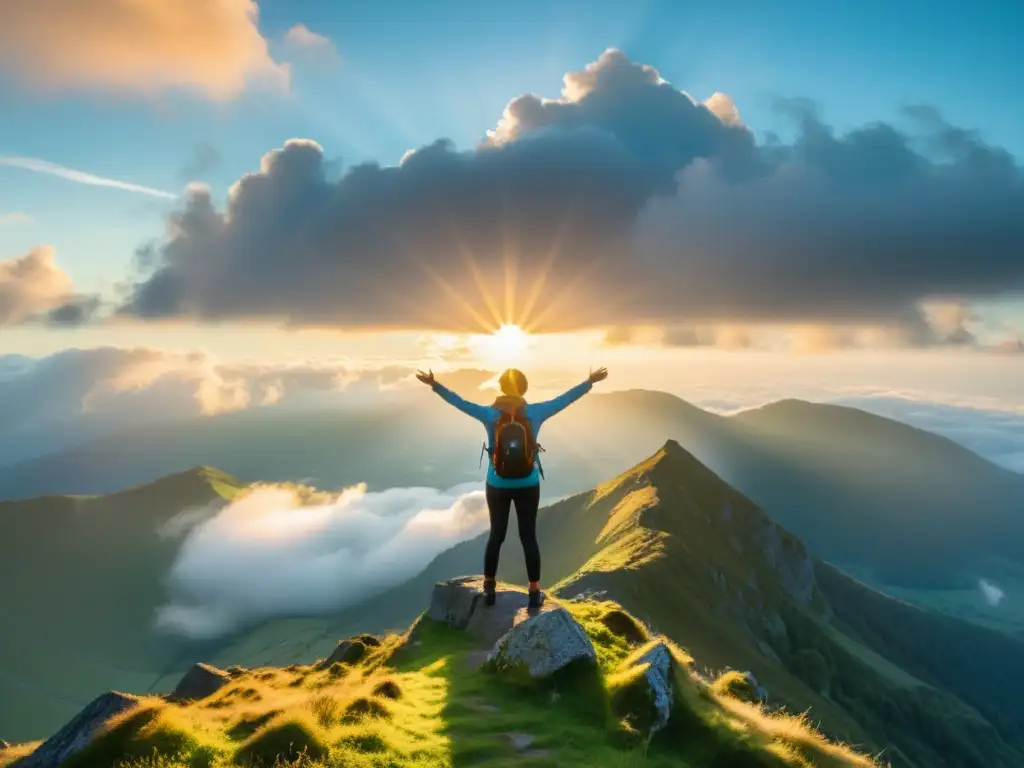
pixel 507 345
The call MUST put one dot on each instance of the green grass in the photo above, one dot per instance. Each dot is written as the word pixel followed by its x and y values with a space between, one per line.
pixel 422 704
pixel 894 674
pixel 96 632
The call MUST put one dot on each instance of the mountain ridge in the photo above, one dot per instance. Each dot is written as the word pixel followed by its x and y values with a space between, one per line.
pixel 693 558
pixel 857 498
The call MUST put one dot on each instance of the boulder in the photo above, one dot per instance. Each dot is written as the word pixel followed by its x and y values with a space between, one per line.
pixel 453 601
pixel 742 685
pixel 642 690
pixel 489 623
pixel 346 652
pixel 659 682
pixel 760 692
pixel 459 603
pixel 199 682
pixel 79 731
pixel 543 644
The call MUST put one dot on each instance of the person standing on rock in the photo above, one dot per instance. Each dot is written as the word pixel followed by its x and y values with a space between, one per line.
pixel 514 474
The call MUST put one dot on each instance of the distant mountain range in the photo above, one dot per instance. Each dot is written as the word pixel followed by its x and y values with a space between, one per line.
pixel 903 506
pixel 669 539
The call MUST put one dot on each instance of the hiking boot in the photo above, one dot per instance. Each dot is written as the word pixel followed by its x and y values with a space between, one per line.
pixel 489 593
pixel 536 598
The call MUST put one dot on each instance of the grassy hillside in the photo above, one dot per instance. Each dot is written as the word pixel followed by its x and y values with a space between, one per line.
pixel 701 563
pixel 428 703
pixel 80 579
pixel 909 502
pixel 914 509
pixel 673 543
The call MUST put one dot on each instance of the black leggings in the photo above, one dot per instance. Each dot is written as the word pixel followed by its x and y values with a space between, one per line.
pixel 499 502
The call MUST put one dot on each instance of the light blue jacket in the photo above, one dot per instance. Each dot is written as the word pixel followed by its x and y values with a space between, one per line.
pixel 536 414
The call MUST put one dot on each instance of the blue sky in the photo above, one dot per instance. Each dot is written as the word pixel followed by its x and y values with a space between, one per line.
pixel 405 74
pixel 411 72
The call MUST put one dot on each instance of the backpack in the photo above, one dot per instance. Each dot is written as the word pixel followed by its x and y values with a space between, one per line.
pixel 515 448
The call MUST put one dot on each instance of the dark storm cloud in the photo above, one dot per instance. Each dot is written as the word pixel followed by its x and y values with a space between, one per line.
pixel 635 202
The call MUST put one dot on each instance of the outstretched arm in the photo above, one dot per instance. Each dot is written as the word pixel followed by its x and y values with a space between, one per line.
pixel 543 411
pixel 478 412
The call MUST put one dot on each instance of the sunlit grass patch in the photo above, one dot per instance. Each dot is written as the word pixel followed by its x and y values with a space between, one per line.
pixel 418 703
pixel 152 728
pixel 15 752
pixel 285 738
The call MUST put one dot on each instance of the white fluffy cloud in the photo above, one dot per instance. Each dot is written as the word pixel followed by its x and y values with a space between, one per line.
pixel 303 41
pixel 932 324
pixel 268 554
pixel 78 394
pixel 993 594
pixel 211 46
pixel 33 288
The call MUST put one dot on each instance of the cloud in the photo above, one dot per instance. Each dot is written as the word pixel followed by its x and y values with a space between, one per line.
pixel 993 594
pixel 268 554
pixel 13 218
pixel 79 394
pixel 623 201
pixel 620 335
pixel 947 324
pixel 303 41
pixel 81 177
pixel 33 288
pixel 213 47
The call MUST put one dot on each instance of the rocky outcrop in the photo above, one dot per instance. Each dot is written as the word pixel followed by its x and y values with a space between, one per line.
pixel 743 685
pixel 459 603
pixel 659 683
pixel 350 651
pixel 543 645
pixel 199 682
pixel 79 731
pixel 346 652
pixel 4 745
pixel 453 601
pixel 642 688
pixel 540 643
pixel 790 559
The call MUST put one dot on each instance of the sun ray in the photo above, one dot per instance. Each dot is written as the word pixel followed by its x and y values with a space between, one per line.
pixel 440 318
pixel 542 277
pixel 453 294
pixel 510 263
pixel 565 290
pixel 474 270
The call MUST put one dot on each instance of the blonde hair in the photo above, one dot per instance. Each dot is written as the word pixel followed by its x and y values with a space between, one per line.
pixel 513 383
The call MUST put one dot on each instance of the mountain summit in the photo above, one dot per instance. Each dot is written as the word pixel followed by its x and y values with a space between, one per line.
pixel 698 561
